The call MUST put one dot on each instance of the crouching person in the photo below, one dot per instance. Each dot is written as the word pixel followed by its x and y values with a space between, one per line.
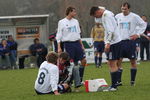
pixel 48 77
pixel 65 70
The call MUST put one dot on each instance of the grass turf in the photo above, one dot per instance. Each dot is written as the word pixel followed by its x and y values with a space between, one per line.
pixel 19 85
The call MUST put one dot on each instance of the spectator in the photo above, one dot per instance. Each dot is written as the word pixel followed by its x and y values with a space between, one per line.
pixel 52 38
pixel 13 51
pixel 4 55
pixel 38 49
pixel 144 44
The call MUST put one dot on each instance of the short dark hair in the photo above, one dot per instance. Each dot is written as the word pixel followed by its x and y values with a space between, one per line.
pixel 93 10
pixel 52 57
pixel 69 9
pixel 143 16
pixel 36 39
pixel 126 3
pixel 64 56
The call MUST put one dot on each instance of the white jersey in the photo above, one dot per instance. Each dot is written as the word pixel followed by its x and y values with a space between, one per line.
pixel 68 30
pixel 130 25
pixel 47 79
pixel 110 25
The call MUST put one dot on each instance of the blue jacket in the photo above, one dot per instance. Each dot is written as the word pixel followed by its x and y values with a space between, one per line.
pixel 33 49
pixel 4 50
pixel 13 45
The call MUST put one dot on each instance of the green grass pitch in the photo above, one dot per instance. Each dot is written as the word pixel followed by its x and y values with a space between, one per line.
pixel 19 85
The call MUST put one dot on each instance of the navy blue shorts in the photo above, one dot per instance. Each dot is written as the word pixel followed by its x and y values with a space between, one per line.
pixel 99 46
pixel 114 53
pixel 128 49
pixel 75 51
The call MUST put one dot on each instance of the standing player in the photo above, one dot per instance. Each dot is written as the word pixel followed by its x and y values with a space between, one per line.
pixel 48 77
pixel 130 27
pixel 112 41
pixel 97 34
pixel 69 33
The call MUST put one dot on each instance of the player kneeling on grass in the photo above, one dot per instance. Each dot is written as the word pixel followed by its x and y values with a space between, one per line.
pixel 48 76
pixel 65 70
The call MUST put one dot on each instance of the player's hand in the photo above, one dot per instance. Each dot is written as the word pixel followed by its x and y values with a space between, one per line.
pixel 134 37
pixel 56 92
pixel 107 47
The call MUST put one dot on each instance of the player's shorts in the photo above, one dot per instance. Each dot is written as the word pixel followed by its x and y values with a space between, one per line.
pixel 128 49
pixel 39 93
pixel 61 89
pixel 99 46
pixel 114 53
pixel 75 51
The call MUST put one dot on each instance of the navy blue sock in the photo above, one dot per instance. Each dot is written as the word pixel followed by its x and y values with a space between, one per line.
pixel 95 60
pixel 100 61
pixel 81 71
pixel 114 78
pixel 120 75
pixel 133 74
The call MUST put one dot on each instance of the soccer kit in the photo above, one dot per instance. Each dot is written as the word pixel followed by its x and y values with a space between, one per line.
pixel 69 33
pixel 97 34
pixel 111 35
pixel 129 25
pixel 47 79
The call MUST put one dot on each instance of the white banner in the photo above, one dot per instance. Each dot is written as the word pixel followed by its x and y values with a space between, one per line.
pixel 5 32
pixel 87 42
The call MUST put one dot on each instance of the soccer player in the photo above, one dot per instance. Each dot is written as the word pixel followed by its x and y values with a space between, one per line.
pixel 69 33
pixel 130 27
pixel 97 34
pixel 48 77
pixel 112 41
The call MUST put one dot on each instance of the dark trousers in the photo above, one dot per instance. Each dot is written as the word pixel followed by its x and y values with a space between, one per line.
pixel 144 45
pixel 40 60
pixel 21 61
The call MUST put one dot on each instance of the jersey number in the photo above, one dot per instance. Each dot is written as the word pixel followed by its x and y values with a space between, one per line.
pixel 41 78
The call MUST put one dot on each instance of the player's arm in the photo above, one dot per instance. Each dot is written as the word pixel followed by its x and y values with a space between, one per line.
pixel 54 80
pixel 109 31
pixel 82 44
pixel 92 33
pixel 79 31
pixel 92 36
pixel 145 36
pixel 59 47
pixel 59 36
pixel 141 28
